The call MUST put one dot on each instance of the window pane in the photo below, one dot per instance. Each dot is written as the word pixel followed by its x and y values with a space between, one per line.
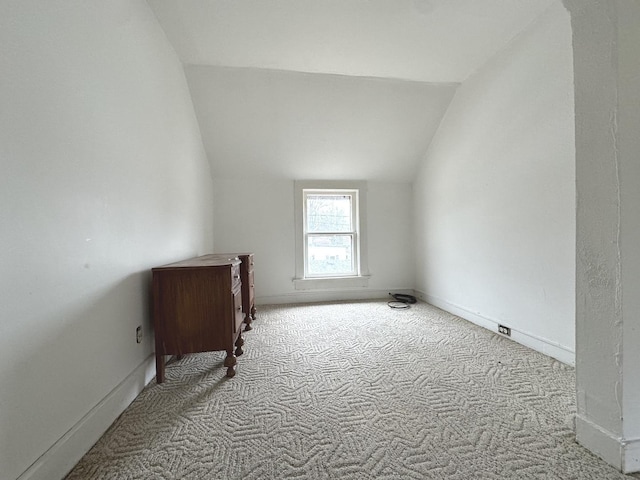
pixel 330 255
pixel 329 213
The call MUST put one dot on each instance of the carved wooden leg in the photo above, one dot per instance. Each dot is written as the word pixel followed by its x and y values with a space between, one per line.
pixel 230 363
pixel 253 312
pixel 159 368
pixel 247 323
pixel 239 344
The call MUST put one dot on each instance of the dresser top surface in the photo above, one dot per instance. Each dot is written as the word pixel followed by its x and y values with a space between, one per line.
pixel 202 261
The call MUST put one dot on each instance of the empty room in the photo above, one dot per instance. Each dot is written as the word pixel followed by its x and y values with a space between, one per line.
pixel 303 160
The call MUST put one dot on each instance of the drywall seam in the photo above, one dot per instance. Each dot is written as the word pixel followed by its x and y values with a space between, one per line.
pixel 324 74
pixel 618 271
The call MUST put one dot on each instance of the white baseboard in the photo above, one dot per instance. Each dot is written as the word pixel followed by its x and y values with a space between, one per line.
pixel 621 454
pixel 631 452
pixel 61 457
pixel 307 296
pixel 602 443
pixel 542 345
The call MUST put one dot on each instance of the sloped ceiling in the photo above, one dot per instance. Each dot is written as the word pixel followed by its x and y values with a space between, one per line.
pixel 331 88
pixel 294 125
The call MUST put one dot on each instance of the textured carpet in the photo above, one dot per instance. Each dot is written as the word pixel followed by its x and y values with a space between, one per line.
pixel 354 391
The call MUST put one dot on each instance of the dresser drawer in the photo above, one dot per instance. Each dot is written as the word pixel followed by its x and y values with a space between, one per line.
pixel 235 276
pixel 239 314
pixel 250 288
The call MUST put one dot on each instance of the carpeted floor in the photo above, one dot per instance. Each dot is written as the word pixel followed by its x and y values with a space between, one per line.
pixel 354 391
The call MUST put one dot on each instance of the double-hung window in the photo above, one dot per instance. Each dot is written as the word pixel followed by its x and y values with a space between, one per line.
pixel 330 234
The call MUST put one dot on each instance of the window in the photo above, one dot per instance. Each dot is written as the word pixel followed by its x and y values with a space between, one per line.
pixel 330 236
pixel 330 219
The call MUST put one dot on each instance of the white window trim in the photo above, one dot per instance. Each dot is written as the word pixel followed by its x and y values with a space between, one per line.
pixel 354 232
pixel 328 283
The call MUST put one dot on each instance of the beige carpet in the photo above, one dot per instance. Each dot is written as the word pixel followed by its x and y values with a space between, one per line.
pixel 354 391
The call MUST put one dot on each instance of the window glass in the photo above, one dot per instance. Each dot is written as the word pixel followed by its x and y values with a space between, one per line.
pixel 330 255
pixel 329 213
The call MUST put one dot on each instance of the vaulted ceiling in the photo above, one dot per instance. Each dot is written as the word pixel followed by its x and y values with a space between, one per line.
pixel 331 88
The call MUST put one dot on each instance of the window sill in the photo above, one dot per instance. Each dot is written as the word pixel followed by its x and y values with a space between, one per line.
pixel 331 283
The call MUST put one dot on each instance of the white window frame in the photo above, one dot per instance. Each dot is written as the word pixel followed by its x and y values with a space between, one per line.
pixel 353 233
pixel 360 278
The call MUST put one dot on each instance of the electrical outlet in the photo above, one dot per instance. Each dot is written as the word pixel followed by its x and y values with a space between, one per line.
pixel 139 334
pixel 504 330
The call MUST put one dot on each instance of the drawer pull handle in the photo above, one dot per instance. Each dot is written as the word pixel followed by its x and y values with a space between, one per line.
pixel 236 276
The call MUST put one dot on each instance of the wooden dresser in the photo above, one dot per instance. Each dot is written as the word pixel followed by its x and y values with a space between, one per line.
pixel 197 307
pixel 248 289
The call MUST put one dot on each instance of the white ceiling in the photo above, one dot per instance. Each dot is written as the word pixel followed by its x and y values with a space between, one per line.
pixel 422 40
pixel 277 124
pixel 331 88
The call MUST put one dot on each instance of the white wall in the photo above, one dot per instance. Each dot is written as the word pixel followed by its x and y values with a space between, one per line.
pixel 629 145
pixel 607 72
pixel 264 129
pixel 257 215
pixel 495 197
pixel 103 176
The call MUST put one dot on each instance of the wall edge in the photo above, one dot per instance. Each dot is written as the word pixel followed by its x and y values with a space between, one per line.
pixel 559 352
